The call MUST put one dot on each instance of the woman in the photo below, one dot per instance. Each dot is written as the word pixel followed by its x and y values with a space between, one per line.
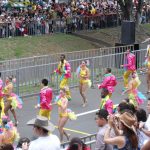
pixel 23 144
pixel 9 132
pixel 62 103
pixel 128 139
pixel 12 100
pixel 84 74
pixel 135 97
pixel 77 144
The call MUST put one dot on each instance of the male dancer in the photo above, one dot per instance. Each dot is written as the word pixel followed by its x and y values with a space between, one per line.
pixel 109 81
pixel 129 66
pixel 45 100
pixel 64 70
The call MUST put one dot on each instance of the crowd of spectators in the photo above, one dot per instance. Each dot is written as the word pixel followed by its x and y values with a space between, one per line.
pixel 45 18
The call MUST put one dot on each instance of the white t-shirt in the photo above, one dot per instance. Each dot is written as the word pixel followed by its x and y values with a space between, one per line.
pixel 147 123
pixel 50 142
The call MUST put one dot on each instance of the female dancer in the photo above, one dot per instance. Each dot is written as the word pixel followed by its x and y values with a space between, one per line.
pixel 147 65
pixel 9 133
pixel 12 100
pixel 62 103
pixel 84 74
pixel 135 97
pixel 1 99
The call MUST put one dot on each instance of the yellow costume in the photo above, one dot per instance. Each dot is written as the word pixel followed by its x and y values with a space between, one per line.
pixel 45 113
pixel 64 70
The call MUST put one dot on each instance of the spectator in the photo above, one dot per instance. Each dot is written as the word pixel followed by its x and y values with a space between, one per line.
pixel 6 147
pixel 23 144
pixel 102 122
pixel 128 139
pixel 43 129
pixel 77 144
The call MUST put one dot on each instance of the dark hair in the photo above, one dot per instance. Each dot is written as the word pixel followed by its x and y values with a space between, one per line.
pixel 62 55
pixel 109 70
pixel 102 113
pixel 105 90
pixel 43 130
pixel 45 82
pixel 0 74
pixel 6 147
pixel 123 106
pixel 74 144
pixel 131 136
pixel 132 108
pixel 141 115
pixel 149 99
pixel 21 141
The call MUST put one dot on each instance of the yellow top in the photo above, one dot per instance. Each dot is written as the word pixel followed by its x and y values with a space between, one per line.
pixel 83 72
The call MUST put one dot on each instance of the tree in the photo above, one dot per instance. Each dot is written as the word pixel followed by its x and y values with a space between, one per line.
pixel 128 11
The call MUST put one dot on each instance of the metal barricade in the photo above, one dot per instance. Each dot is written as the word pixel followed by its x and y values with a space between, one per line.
pixel 88 140
pixel 29 78
pixel 46 59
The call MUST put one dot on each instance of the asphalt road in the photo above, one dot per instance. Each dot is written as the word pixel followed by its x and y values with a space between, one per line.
pixel 84 125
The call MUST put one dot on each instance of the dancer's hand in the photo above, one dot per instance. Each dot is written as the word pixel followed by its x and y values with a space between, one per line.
pixel 37 106
pixel 121 65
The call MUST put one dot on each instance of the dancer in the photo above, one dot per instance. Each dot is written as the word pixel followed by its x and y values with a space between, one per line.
pixel 84 82
pixel 106 102
pixel 9 133
pixel 147 65
pixel 109 81
pixel 63 114
pixel 45 100
pixel 1 99
pixel 135 97
pixel 64 70
pixel 12 100
pixel 129 67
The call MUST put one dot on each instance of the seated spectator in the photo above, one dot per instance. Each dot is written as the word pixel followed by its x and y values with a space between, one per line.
pixel 23 144
pixel 128 139
pixel 77 144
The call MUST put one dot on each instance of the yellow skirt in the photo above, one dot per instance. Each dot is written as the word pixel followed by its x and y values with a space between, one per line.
pixel 45 113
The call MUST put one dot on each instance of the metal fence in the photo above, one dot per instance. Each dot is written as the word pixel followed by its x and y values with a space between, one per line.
pixel 29 78
pixel 88 140
pixel 64 25
pixel 46 59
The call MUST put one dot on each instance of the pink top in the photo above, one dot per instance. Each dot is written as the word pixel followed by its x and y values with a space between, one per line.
pixel 64 69
pixel 130 62
pixel 109 83
pixel 46 98
pixel 109 106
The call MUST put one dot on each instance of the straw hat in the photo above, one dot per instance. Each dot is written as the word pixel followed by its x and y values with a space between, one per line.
pixel 42 122
pixel 128 120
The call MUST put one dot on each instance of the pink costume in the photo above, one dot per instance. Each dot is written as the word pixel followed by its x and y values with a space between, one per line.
pixel 130 64
pixel 64 69
pixel 46 98
pixel 129 67
pixel 109 83
pixel 106 103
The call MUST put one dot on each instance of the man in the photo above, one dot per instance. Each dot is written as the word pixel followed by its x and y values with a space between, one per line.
pixel 45 141
pixel 106 102
pixel 145 127
pixel 64 70
pixel 45 99
pixel 129 66
pixel 102 122
pixel 109 81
